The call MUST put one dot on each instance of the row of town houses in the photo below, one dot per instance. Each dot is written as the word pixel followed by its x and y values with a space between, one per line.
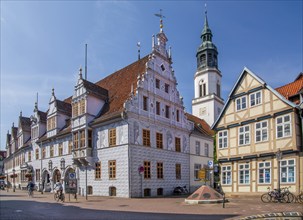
pixel 128 135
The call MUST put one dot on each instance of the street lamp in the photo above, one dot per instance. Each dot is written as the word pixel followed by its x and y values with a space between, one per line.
pixel 14 180
pixel 279 157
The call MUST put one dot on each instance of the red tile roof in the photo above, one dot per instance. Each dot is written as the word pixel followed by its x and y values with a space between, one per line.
pixel 292 89
pixel 200 125
pixel 119 86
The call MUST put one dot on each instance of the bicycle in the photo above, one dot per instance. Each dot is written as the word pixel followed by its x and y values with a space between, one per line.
pixel 290 196
pixel 274 196
pixel 59 196
pixel 299 198
pixel 180 190
pixel 30 192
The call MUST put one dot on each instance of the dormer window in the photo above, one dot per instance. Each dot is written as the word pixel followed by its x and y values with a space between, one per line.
pixel 51 123
pixel 75 109
pixel 82 106
pixel 78 108
pixel 35 132
pixel 20 141
pixel 162 67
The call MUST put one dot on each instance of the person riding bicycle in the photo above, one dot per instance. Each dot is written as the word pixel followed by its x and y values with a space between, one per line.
pixel 30 186
pixel 58 188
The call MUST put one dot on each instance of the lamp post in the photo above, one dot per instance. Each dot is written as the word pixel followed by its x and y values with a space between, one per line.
pixel 279 157
pixel 14 180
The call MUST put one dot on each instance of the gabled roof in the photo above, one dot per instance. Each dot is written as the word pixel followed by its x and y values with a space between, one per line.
pixel 261 81
pixel 119 86
pixel 291 89
pixel 25 123
pixel 43 116
pixel 95 89
pixel 14 132
pixel 67 129
pixel 64 107
pixel 200 125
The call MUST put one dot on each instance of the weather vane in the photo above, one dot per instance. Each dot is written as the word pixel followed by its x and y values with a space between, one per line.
pixel 205 9
pixel 161 16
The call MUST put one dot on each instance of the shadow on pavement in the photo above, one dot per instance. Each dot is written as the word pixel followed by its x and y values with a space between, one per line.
pixel 25 210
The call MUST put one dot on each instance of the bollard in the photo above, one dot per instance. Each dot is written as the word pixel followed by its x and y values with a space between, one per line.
pixel 223 200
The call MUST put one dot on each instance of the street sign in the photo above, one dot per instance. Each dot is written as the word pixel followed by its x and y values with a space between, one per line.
pixel 71 183
pixel 210 163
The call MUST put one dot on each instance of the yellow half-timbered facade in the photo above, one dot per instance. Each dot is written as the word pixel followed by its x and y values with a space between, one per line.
pixel 257 129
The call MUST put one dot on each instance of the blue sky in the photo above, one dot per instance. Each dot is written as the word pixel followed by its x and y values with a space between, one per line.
pixel 43 44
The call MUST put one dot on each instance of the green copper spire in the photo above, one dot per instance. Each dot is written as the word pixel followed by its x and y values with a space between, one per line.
pixel 207 51
pixel 206 33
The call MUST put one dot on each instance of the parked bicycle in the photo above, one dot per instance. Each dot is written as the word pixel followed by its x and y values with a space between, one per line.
pixel 274 196
pixel 290 196
pixel 59 196
pixel 179 190
pixel 299 198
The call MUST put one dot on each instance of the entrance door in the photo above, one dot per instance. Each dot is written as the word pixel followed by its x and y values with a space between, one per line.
pixel 57 176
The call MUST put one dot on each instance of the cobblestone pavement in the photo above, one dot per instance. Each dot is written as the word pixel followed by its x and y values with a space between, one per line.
pixel 17 205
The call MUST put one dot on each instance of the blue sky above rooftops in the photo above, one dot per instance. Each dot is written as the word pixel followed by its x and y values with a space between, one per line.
pixel 43 44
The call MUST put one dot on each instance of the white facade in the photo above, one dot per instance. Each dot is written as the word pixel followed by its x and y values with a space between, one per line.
pixel 126 136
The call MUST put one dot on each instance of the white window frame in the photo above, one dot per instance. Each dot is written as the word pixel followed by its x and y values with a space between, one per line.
pixel 257 100
pixel 244 173
pixel 223 138
pixel 261 129
pixel 244 133
pixel 285 164
pixel 265 167
pixel 283 125
pixel 198 148
pixel 206 149
pixel 197 167
pixel 226 175
pixel 242 100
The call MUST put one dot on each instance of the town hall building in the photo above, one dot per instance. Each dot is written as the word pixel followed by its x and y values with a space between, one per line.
pixel 127 135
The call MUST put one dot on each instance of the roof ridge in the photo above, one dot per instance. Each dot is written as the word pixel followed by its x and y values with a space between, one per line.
pixel 128 66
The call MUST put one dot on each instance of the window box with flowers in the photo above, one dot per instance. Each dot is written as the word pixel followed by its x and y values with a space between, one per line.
pixel 13 175
pixel 28 175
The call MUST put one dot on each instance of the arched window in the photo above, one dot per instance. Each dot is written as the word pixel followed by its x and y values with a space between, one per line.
pixel 89 190
pixel 160 192
pixel 210 59
pixel 112 191
pixel 203 60
pixel 202 88
pixel 56 176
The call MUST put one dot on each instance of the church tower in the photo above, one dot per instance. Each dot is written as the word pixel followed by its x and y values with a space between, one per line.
pixel 207 103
